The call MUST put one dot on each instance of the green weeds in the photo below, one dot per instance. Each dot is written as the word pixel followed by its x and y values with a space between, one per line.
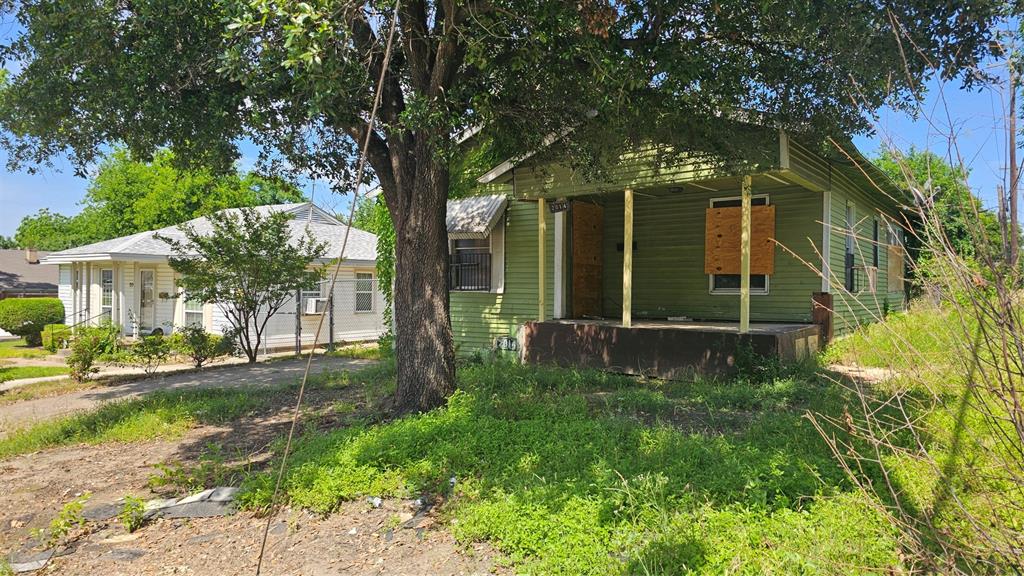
pixel 554 468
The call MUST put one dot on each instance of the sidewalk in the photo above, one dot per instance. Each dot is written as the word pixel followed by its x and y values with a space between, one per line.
pixel 114 370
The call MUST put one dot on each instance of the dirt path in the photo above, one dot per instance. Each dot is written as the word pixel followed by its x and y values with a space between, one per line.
pixel 17 415
pixel 357 539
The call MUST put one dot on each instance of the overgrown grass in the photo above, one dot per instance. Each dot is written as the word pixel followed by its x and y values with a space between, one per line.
pixel 905 340
pixel 45 390
pixel 8 373
pixel 573 472
pixel 163 414
pixel 17 348
pixel 358 351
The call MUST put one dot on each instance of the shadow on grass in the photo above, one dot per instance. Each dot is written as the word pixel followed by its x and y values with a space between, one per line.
pixel 162 414
pixel 565 485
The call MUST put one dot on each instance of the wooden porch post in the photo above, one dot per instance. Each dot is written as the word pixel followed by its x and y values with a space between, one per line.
pixel 745 257
pixel 627 261
pixel 542 227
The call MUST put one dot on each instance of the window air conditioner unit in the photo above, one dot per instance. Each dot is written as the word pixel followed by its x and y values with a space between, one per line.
pixel 316 305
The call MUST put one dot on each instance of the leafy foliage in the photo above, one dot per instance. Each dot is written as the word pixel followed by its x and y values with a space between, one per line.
pixel 250 265
pixel 200 346
pixel 87 346
pixel 69 518
pixel 128 195
pixel 970 229
pixel 149 352
pixel 132 514
pixel 55 336
pixel 26 317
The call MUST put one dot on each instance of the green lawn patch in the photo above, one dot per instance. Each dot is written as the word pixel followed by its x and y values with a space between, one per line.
pixel 18 349
pixel 163 414
pixel 8 373
pixel 572 472
pixel 45 390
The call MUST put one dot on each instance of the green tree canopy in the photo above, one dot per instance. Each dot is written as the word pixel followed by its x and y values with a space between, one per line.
pixel 970 229
pixel 128 196
pixel 299 78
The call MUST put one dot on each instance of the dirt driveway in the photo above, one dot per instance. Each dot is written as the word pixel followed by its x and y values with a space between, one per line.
pixel 357 539
pixel 17 415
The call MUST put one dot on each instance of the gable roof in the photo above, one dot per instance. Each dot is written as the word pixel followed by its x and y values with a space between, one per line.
pixel 19 276
pixel 362 245
pixel 475 216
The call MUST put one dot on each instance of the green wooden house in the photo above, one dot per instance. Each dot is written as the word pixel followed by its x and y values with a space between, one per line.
pixel 651 272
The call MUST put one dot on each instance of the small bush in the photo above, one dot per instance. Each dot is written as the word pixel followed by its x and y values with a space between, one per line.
pixel 26 317
pixel 132 514
pixel 55 337
pixel 150 352
pixel 88 344
pixel 200 346
pixel 70 517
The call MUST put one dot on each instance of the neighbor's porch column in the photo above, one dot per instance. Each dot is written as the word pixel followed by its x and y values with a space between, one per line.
pixel 745 256
pixel 542 228
pixel 627 261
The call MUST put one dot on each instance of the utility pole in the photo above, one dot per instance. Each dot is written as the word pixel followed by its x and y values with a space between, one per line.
pixel 1014 169
pixel 1003 226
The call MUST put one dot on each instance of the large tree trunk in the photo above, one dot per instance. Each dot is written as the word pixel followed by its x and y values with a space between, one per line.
pixel 424 349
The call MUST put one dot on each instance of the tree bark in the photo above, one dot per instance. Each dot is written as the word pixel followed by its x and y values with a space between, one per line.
pixel 424 347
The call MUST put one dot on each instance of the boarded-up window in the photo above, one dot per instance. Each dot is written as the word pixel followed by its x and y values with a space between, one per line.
pixel 895 270
pixel 722 240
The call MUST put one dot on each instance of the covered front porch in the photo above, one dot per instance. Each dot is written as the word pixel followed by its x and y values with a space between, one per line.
pixel 671 282
pixel 662 348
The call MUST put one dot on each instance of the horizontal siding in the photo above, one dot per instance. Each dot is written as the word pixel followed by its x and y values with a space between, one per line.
pixel 64 292
pixel 668 262
pixel 478 318
pixel 641 169
pixel 853 310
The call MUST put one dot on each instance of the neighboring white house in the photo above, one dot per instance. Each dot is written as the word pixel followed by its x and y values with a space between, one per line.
pixel 130 281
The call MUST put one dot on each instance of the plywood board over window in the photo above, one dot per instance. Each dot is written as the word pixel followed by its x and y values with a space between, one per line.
pixel 722 240
pixel 895 272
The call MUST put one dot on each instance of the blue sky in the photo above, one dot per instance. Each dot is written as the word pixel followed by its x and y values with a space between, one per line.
pixel 973 117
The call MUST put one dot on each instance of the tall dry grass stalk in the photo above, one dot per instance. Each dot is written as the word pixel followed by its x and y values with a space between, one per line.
pixel 939 445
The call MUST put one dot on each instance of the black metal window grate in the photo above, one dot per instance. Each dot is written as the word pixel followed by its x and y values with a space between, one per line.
pixel 469 271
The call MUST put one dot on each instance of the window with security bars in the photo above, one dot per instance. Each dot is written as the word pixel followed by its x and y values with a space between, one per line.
pixel 364 292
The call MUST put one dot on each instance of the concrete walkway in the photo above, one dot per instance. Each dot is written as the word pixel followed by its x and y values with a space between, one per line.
pixel 17 415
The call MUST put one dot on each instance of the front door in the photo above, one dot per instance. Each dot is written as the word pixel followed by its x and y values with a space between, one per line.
pixel 587 261
pixel 147 299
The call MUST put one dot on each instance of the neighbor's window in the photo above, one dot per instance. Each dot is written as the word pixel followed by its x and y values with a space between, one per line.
pixel 310 295
pixel 730 283
pixel 107 293
pixel 364 292
pixel 193 312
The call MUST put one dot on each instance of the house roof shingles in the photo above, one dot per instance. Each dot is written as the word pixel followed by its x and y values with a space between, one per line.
pixel 361 246
pixel 19 277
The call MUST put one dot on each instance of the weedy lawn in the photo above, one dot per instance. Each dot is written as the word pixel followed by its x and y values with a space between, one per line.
pixel 572 472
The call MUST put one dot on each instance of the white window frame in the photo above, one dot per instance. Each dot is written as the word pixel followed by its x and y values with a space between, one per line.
pixel 711 277
pixel 306 294
pixel 186 301
pixel 496 248
pixel 371 292
pixel 105 292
